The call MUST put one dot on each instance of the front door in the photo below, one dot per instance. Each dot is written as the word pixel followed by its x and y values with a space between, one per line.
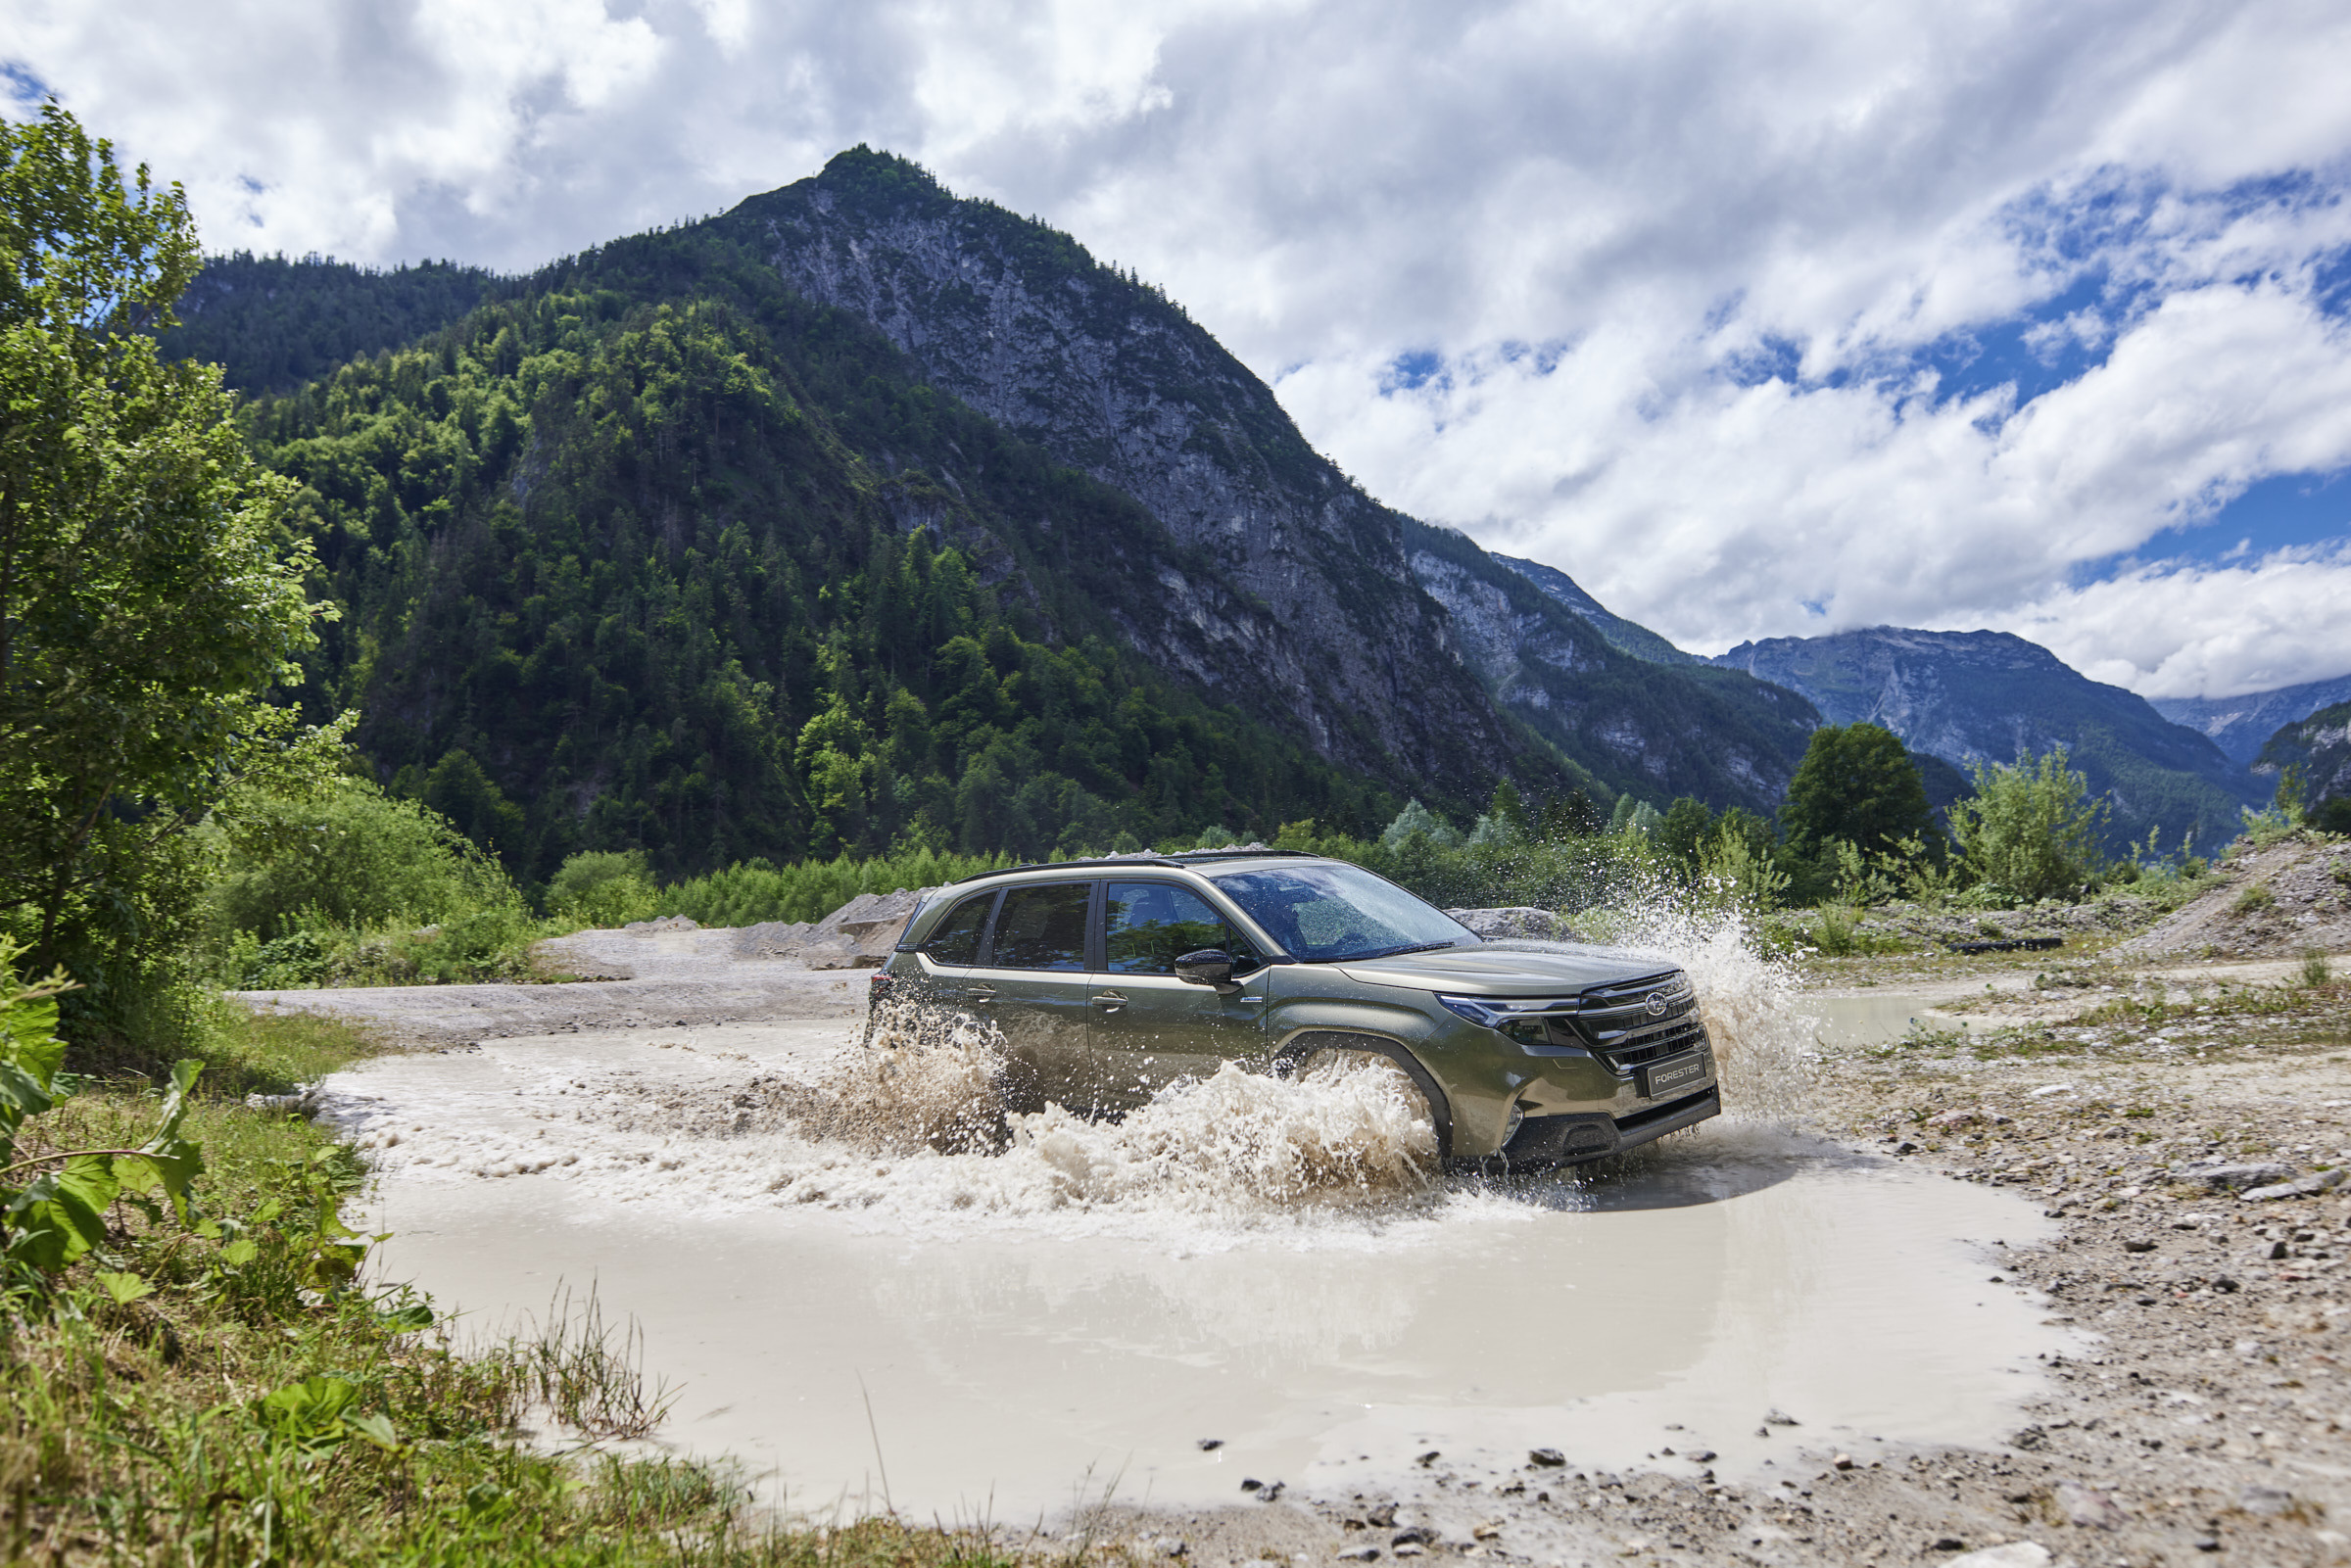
pixel 1151 1028
pixel 1032 984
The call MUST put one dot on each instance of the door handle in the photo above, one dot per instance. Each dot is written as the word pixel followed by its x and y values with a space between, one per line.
pixel 981 993
pixel 1110 1001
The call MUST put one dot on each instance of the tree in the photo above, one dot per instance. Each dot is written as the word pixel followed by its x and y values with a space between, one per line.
pixel 1857 784
pixel 2030 830
pixel 144 609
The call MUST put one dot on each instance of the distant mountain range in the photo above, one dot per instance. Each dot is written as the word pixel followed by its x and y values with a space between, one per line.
pixel 2319 745
pixel 1971 698
pixel 2241 726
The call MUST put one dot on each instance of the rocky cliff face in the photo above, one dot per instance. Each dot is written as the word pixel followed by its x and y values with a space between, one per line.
pixel 1298 600
pixel 1986 696
pixel 1297 593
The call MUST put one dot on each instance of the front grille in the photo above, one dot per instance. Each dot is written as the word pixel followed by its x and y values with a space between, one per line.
pixel 1616 1023
pixel 1666 1039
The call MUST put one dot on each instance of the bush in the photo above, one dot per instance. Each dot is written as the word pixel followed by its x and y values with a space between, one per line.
pixel 2030 830
pixel 604 888
pixel 358 858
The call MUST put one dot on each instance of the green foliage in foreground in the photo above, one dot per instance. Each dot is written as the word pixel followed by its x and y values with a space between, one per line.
pixel 223 1392
pixel 148 600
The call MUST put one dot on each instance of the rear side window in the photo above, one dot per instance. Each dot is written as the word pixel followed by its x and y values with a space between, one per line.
pixel 1042 927
pixel 1148 925
pixel 957 939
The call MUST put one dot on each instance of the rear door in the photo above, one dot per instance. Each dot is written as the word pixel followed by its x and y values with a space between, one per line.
pixel 1151 1028
pixel 1033 983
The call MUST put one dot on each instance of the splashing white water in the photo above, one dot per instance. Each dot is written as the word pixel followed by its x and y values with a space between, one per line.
pixel 909 1127
pixel 1761 1032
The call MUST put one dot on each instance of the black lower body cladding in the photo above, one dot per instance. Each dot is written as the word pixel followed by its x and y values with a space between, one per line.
pixel 1542 1142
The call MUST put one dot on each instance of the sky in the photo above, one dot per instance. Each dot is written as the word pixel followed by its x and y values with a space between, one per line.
pixel 1759 318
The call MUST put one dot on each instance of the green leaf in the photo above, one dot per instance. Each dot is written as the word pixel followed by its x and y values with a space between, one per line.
pixel 408 1319
pixel 62 1214
pixel 376 1428
pixel 123 1288
pixel 312 1401
pixel 237 1254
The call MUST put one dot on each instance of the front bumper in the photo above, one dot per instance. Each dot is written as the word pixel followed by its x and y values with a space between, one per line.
pixel 1580 1137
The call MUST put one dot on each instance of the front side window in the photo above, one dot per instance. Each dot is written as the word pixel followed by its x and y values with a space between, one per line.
pixel 1042 927
pixel 1147 926
pixel 1333 912
pixel 956 942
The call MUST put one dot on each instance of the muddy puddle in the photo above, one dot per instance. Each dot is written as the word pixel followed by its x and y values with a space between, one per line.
pixel 1005 1334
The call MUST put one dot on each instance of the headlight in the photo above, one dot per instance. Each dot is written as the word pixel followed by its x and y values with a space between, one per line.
pixel 1474 1008
pixel 1524 1020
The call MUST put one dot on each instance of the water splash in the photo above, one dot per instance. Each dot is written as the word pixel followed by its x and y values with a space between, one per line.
pixel 1751 1001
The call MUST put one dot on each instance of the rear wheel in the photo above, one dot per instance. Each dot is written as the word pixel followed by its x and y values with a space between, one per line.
pixel 1326 1057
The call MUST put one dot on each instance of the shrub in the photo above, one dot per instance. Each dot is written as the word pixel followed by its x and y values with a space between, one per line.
pixel 603 887
pixel 2253 900
pixel 355 858
pixel 2030 830
pixel 2316 970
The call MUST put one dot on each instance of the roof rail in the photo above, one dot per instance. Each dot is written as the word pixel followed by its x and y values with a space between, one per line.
pixel 1185 858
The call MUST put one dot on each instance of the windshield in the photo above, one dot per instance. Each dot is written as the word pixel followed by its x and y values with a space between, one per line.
pixel 1328 913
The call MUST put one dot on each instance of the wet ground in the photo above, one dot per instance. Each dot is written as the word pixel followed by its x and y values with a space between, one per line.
pixel 2079 1352
pixel 1019 1340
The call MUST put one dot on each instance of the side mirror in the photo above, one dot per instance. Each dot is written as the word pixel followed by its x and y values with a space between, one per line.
pixel 1208 966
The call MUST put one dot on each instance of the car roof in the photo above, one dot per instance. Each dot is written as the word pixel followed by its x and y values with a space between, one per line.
pixel 1189 860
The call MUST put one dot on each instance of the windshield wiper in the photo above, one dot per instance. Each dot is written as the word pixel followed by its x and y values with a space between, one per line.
pixel 1392 952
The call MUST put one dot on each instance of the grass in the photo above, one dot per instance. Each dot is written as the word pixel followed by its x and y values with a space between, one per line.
pixel 223 1393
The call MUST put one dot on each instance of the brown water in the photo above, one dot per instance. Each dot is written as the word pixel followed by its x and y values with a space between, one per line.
pixel 1073 1314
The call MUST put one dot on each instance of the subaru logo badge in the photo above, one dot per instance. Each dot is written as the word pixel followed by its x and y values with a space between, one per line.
pixel 1656 1004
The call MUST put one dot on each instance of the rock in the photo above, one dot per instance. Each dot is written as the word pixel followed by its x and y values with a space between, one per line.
pixel 1383 1516
pixel 1954 1119
pixel 1502 925
pixel 1432 1455
pixel 654 928
pixel 2088 1508
pixel 1268 1492
pixel 2266 1501
pixel 1549 1458
pixel 1843 1461
pixel 1170 1547
pixel 2137 1244
pixel 2031 1437
pixel 2238 1177
pixel 2047 1089
pixel 1363 1553
pixel 2302 1187
pixel 1251 1484
pixel 1412 1536
pixel 2015 1555
pixel 1211 1445
pixel 1775 1416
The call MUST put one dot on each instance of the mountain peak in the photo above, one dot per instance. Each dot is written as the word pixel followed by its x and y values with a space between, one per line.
pixel 880 178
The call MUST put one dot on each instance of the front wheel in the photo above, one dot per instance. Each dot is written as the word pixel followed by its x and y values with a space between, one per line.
pixel 1325 1057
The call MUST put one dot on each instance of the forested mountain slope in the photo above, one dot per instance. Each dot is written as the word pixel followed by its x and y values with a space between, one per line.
pixel 271 323
pixel 1020 322
pixel 719 579
pixel 1990 697
pixel 661 549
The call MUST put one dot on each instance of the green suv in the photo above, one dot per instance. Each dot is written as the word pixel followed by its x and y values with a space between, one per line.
pixel 1111 979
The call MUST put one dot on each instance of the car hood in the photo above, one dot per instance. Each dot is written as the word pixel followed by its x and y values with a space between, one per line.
pixel 1507 969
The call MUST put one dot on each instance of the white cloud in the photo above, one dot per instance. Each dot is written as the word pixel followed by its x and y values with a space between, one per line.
pixel 1590 215
pixel 2173 631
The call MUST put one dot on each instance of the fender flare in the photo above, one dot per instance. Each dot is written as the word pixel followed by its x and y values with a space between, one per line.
pixel 1298 1047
